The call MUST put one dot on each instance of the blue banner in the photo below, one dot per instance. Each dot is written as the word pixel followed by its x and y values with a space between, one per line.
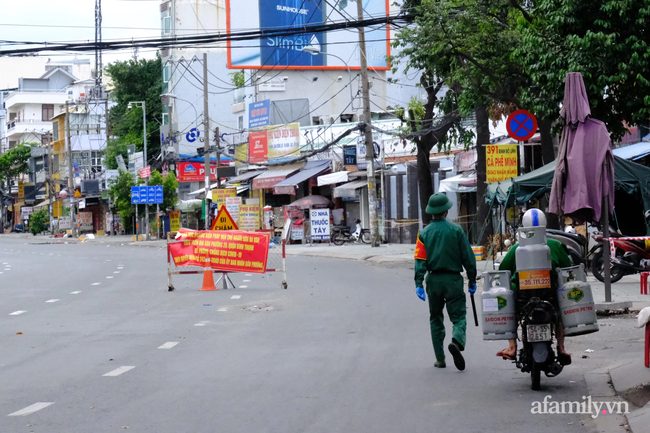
pixel 147 194
pixel 259 113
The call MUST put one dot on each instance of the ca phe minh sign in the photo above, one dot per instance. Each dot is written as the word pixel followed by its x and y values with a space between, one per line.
pixel 501 162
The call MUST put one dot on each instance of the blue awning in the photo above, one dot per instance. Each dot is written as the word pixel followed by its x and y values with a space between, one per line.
pixel 633 151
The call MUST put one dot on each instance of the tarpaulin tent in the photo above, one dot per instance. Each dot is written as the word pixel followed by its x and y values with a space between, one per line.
pixel 630 177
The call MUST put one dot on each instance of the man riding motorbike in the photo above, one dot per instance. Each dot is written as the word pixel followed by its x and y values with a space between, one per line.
pixel 559 259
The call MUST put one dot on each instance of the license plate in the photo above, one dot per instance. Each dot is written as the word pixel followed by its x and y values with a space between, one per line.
pixel 538 333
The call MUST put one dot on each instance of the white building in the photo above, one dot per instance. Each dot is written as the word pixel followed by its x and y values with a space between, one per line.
pixel 312 89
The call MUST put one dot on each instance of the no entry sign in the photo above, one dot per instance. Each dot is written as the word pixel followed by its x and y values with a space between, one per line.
pixel 521 125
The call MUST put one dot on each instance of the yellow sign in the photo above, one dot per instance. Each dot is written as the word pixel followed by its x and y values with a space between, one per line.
pixel 21 189
pixel 249 217
pixel 219 195
pixel 223 221
pixel 501 162
pixel 241 153
pixel 535 280
pixel 175 220
pixel 284 141
pixel 77 193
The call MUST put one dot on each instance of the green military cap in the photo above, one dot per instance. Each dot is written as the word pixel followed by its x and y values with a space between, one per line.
pixel 438 203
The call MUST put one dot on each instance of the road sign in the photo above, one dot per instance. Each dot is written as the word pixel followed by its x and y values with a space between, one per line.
pixel 77 193
pixel 521 125
pixel 147 194
pixel 145 172
pixel 223 221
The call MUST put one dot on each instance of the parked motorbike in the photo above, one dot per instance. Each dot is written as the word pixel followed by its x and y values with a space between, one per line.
pixel 343 234
pixel 575 244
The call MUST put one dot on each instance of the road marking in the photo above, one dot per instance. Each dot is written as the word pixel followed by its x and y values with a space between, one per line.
pixel 1 272
pixel 235 297
pixel 17 313
pixel 7 269
pixel 109 277
pixel 116 272
pixel 168 345
pixel 120 267
pixel 202 323
pixel 243 287
pixel 119 371
pixel 75 293
pixel 95 284
pixel 51 301
pixel 31 409
pixel 248 275
pixel 247 281
pixel 223 309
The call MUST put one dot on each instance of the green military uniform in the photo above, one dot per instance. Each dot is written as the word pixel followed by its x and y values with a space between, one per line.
pixel 559 259
pixel 441 253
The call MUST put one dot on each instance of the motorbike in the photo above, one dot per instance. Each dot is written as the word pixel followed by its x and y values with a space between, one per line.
pixel 537 315
pixel 575 245
pixel 343 234
pixel 630 257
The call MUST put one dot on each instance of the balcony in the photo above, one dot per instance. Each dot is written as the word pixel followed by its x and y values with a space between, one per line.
pixel 19 98
pixel 17 128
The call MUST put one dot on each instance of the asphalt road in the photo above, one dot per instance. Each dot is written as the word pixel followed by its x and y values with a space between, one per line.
pixel 345 349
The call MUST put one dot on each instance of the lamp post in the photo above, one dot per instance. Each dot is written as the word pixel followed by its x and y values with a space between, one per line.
pixel 144 125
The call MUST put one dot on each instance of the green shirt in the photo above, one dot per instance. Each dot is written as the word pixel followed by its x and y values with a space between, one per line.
pixel 446 249
pixel 559 259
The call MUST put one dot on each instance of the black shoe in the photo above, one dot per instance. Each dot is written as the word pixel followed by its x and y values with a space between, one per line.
pixel 454 349
pixel 460 346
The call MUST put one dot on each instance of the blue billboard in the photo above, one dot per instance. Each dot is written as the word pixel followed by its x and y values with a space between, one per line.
pixel 259 113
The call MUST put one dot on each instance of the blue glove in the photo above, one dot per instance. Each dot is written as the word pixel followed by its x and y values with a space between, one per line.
pixel 471 288
pixel 420 292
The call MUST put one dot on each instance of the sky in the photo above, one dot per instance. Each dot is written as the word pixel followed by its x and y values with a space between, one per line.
pixel 35 20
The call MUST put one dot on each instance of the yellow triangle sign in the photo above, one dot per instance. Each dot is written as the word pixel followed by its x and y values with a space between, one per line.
pixel 223 221
pixel 77 193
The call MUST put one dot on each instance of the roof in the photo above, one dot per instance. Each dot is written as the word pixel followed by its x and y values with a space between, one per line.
pixel 329 179
pixel 633 151
pixel 274 175
pixel 245 176
pixel 311 169
pixel 465 182
pixel 48 74
pixel 349 189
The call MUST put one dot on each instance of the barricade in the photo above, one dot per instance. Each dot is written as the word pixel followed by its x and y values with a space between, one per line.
pixel 276 263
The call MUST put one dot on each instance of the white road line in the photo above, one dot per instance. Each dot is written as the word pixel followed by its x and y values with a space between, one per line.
pixel 109 277
pixel 168 345
pixel 17 313
pixel 243 287
pixel 235 297
pixel 222 309
pixel 120 267
pixel 51 301
pixel 199 324
pixel 119 371
pixel 31 409
pixel 75 293
pixel 95 284
pixel 247 281
pixel 116 272
pixel 1 272
pixel 7 269
pixel 248 275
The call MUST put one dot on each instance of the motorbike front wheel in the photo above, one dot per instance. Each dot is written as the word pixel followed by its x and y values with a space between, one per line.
pixel 365 237
pixel 338 238
pixel 535 375
pixel 597 268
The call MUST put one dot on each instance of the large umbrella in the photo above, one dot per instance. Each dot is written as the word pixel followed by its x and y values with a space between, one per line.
pixel 311 201
pixel 583 183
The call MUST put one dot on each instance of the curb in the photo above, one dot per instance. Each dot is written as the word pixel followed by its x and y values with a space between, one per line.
pixel 601 388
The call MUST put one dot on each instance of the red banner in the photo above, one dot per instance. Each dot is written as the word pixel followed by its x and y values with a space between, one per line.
pixel 194 172
pixel 257 147
pixel 234 250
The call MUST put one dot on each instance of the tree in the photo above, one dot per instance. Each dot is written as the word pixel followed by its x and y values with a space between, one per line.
pixel 134 81
pixel 120 190
pixel 38 221
pixel 169 183
pixel 14 162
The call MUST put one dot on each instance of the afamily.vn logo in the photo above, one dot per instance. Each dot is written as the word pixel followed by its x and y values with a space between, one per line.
pixel 585 407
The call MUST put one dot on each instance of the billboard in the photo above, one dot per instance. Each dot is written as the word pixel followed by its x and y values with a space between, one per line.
pixel 283 142
pixel 194 172
pixel 259 113
pixel 287 52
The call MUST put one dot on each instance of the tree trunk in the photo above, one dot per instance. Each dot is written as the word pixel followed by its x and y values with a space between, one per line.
pixel 424 180
pixel 548 152
pixel 482 138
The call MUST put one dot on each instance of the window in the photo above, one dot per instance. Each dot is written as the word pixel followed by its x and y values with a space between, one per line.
pixel 47 112
pixel 46 139
pixel 165 119
pixel 55 131
pixel 241 123
pixel 167 72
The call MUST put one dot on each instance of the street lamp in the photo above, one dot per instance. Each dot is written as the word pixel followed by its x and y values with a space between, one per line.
pixel 316 50
pixel 144 125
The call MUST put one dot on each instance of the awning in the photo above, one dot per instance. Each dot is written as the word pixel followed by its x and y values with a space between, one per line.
pixel 272 177
pixel 633 151
pixel 245 176
pixel 43 203
pixel 332 178
pixel 350 189
pixel 312 168
pixel 465 182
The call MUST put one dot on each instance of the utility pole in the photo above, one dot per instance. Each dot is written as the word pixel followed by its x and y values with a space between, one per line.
pixel 50 184
pixel 370 148
pixel 70 172
pixel 206 141
pixel 217 139
pixel 146 182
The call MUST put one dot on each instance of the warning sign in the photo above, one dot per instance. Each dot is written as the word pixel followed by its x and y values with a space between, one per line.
pixel 500 162
pixel 77 193
pixel 175 220
pixel 535 280
pixel 223 221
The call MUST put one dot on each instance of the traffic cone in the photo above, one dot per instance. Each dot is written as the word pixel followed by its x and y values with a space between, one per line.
pixel 208 280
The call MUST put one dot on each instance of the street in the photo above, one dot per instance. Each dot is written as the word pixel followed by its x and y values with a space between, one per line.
pixel 91 333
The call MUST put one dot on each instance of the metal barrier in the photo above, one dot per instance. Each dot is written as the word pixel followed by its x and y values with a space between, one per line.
pixel 276 262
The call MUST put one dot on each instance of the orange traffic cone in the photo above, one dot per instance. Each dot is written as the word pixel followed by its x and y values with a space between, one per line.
pixel 208 280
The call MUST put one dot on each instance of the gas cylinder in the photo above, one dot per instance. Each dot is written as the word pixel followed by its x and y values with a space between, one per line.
pixel 533 258
pixel 576 302
pixel 498 302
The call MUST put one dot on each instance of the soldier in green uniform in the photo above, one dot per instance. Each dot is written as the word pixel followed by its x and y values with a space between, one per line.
pixel 441 252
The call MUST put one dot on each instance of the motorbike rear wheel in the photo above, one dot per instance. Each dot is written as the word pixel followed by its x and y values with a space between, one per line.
pixel 597 269
pixel 365 237
pixel 535 375
pixel 338 238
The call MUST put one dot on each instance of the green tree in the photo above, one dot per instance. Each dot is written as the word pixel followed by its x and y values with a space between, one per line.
pixel 134 81
pixel 15 162
pixel 120 190
pixel 169 183
pixel 38 221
